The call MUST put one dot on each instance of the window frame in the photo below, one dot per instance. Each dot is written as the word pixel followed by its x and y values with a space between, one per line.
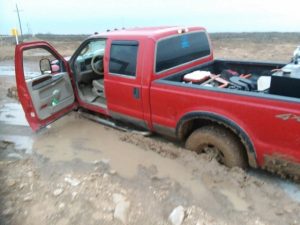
pixel 53 54
pixel 124 43
pixel 177 35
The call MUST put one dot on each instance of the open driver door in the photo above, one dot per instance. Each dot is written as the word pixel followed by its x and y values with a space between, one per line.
pixel 44 83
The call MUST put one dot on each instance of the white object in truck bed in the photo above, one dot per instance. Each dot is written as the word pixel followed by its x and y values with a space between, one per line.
pixel 197 76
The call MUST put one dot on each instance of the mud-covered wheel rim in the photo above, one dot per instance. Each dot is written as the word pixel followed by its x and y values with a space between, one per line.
pixel 213 152
pixel 220 144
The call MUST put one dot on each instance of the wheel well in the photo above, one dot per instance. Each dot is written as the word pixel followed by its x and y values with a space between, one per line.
pixel 188 124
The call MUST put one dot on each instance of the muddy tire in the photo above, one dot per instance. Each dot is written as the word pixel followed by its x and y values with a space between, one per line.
pixel 220 143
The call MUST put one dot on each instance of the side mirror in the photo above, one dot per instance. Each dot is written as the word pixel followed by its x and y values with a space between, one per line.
pixel 45 66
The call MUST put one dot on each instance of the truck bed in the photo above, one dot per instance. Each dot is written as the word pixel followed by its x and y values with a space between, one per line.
pixel 243 67
pixel 270 121
pixel 216 67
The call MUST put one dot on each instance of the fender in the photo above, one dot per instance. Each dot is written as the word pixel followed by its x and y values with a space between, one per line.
pixel 216 118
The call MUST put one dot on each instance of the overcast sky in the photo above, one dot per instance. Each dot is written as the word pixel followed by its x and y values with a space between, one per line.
pixel 88 16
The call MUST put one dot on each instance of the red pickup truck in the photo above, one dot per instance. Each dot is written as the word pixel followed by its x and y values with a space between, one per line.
pixel 166 80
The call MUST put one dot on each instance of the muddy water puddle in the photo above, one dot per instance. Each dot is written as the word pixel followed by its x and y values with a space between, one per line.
pixel 77 138
pixel 31 69
pixel 290 188
pixel 7 67
pixel 23 143
pixel 73 138
pixel 238 203
pixel 7 70
pixel 12 114
pixel 14 130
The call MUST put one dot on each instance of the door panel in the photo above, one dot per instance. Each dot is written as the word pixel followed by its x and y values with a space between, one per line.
pixel 51 95
pixel 121 94
pixel 45 94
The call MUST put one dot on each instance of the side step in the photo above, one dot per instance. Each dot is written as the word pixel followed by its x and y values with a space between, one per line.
pixel 111 123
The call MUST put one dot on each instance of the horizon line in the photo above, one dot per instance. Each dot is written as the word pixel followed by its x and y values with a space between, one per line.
pixel 214 32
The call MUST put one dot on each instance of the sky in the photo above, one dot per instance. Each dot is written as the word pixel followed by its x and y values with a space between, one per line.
pixel 89 16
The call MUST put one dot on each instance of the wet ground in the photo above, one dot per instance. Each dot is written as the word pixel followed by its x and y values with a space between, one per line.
pixel 153 174
pixel 77 171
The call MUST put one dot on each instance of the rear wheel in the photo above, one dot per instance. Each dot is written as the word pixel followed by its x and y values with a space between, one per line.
pixel 220 143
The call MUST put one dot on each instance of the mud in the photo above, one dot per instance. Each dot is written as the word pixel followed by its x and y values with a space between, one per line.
pixel 12 92
pixel 106 161
pixel 69 172
pixel 282 166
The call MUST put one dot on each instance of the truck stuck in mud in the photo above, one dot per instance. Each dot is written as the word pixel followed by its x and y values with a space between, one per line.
pixel 165 80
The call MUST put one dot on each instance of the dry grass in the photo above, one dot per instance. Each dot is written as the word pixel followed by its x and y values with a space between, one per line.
pixel 255 46
pixel 245 46
pixel 64 44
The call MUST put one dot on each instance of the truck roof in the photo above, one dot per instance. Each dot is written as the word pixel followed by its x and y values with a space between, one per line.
pixel 148 32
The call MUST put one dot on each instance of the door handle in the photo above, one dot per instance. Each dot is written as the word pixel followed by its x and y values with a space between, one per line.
pixel 136 93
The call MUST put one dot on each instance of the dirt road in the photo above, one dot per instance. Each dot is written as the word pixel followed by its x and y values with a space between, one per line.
pixel 77 171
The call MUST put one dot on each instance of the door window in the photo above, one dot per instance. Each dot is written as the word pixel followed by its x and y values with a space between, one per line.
pixel 123 57
pixel 39 61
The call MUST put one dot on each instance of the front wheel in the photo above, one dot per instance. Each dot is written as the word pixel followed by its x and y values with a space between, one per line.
pixel 220 143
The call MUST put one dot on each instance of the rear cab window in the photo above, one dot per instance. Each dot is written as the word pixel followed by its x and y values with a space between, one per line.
pixel 123 58
pixel 177 50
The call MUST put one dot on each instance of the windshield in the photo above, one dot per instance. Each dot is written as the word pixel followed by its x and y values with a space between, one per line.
pixel 92 48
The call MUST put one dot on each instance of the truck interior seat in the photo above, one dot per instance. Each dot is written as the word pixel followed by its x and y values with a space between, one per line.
pixel 98 88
